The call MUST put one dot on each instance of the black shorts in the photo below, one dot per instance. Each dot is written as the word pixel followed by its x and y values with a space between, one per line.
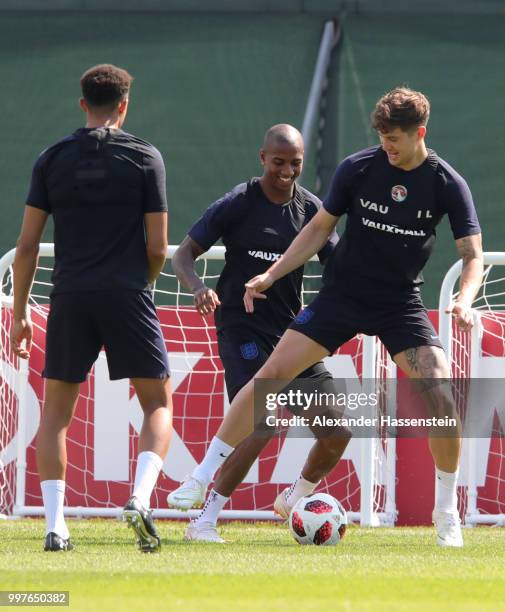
pixel 333 318
pixel 244 351
pixel 124 322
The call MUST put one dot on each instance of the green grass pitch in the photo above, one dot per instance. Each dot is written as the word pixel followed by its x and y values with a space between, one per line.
pixel 260 568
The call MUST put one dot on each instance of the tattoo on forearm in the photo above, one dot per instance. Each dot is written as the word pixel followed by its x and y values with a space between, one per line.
pixel 467 249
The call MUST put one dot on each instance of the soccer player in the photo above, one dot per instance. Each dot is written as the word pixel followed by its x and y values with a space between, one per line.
pixel 257 222
pixel 394 196
pixel 106 191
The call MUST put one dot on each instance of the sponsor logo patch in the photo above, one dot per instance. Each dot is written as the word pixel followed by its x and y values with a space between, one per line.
pixel 399 193
pixel 249 350
pixel 392 229
pixel 265 255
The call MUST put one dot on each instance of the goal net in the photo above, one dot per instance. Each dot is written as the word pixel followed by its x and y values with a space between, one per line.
pixel 480 356
pixel 102 440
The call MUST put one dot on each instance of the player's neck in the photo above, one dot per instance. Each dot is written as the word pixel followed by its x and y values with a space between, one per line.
pixel 93 121
pixel 417 159
pixel 276 196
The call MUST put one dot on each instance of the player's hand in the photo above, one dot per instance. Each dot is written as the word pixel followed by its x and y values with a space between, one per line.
pixel 462 314
pixel 205 300
pixel 21 330
pixel 255 288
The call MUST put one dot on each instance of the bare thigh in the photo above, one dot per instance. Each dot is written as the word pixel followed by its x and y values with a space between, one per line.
pixel 294 353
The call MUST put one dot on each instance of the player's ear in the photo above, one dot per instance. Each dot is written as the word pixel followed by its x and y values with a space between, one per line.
pixel 262 157
pixel 421 131
pixel 83 105
pixel 123 106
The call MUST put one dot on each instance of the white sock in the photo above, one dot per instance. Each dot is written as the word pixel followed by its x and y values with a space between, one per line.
pixel 300 488
pixel 53 495
pixel 446 492
pixel 213 506
pixel 214 458
pixel 147 472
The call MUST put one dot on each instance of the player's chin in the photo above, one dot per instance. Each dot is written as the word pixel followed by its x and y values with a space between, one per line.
pixel 285 185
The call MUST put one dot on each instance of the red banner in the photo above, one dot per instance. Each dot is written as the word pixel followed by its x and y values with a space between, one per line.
pixel 102 438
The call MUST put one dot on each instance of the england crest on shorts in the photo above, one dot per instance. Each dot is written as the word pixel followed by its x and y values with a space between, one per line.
pixel 249 350
pixel 304 316
pixel 399 193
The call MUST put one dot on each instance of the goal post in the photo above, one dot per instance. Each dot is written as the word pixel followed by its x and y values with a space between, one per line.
pixel 102 440
pixel 480 355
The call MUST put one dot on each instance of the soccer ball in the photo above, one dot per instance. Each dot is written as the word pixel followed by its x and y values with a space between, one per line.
pixel 318 519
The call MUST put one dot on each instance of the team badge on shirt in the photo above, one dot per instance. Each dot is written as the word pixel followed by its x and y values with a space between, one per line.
pixel 399 193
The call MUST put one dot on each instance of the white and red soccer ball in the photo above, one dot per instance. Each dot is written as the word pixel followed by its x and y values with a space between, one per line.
pixel 318 519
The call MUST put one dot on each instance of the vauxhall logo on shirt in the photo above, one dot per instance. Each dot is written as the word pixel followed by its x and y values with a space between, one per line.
pixel 264 255
pixel 392 229
pixel 374 206
pixel 398 193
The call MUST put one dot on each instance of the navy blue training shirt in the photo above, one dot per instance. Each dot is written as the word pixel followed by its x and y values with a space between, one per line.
pixel 256 232
pixel 98 183
pixel 392 216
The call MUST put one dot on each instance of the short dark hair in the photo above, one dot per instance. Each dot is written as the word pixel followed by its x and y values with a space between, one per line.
pixel 282 133
pixel 402 107
pixel 105 85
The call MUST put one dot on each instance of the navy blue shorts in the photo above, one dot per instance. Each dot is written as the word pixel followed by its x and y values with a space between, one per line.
pixel 244 351
pixel 333 318
pixel 123 322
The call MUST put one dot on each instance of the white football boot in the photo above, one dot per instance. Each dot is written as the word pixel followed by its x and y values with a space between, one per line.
pixel 448 527
pixel 203 532
pixel 281 506
pixel 190 494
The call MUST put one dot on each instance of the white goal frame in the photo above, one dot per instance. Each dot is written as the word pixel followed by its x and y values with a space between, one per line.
pixel 366 516
pixel 470 444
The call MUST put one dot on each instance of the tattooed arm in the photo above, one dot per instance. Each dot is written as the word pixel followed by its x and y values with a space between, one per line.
pixel 470 249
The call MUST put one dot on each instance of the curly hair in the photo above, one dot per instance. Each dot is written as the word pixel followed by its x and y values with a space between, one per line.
pixel 402 107
pixel 105 85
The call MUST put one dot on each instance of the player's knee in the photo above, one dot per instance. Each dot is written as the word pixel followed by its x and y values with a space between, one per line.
pixel 157 399
pixel 438 395
pixel 433 362
pixel 263 431
pixel 57 416
pixel 443 395
pixel 275 369
pixel 159 405
pixel 55 422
